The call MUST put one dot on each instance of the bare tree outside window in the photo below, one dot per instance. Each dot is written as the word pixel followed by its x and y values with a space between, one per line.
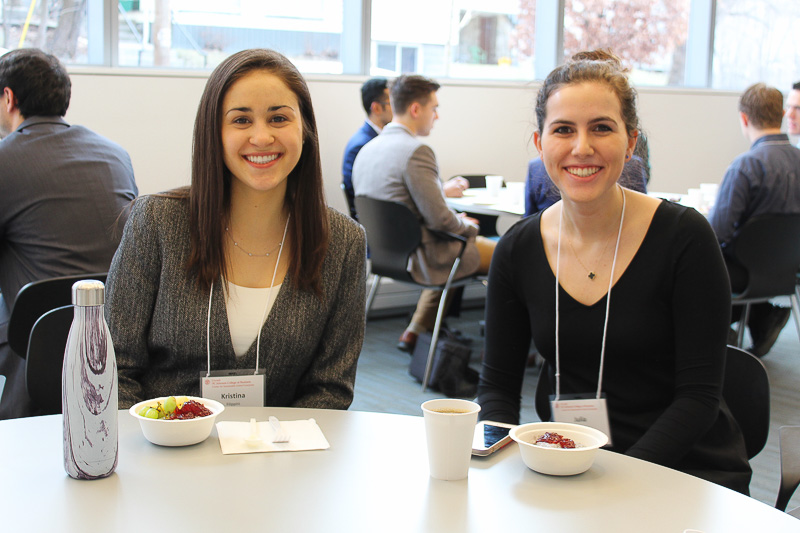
pixel 55 26
pixel 648 35
pixel 756 41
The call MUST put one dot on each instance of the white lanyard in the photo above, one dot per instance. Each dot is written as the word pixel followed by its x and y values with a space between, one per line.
pixel 263 315
pixel 608 301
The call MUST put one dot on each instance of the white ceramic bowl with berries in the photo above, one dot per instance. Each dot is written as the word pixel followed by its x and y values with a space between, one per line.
pixel 555 460
pixel 176 432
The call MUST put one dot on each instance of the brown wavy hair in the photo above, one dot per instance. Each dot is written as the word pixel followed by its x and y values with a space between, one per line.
pixel 608 71
pixel 210 190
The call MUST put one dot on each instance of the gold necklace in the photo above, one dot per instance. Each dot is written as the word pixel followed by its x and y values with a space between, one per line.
pixel 591 272
pixel 251 254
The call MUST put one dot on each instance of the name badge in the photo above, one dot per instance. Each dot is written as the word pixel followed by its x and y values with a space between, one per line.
pixel 235 388
pixel 592 412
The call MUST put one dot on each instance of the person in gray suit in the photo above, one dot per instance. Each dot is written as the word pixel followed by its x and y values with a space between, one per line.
pixel 397 166
pixel 64 194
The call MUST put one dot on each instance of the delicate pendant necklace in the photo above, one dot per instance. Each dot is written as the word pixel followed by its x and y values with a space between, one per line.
pixel 251 254
pixel 591 272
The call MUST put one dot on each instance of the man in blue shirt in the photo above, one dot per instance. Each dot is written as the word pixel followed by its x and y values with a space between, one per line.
pixel 375 98
pixel 763 180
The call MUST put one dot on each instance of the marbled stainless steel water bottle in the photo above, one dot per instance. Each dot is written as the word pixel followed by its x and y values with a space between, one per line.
pixel 89 387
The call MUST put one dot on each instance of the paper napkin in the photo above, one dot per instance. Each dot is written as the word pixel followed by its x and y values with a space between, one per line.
pixel 304 435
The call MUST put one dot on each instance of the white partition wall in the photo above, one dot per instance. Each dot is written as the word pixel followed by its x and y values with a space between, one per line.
pixel 482 127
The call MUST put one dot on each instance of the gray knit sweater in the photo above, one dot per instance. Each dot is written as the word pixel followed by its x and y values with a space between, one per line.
pixel 157 317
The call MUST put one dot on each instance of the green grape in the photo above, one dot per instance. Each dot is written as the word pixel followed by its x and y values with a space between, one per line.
pixel 170 405
pixel 143 410
pixel 151 413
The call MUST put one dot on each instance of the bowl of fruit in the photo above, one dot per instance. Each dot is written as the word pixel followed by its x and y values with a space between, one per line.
pixel 176 420
pixel 557 448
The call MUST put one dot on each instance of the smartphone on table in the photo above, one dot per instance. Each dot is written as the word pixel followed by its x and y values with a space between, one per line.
pixel 490 437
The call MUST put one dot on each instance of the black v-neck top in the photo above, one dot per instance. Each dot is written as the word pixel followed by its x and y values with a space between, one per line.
pixel 665 347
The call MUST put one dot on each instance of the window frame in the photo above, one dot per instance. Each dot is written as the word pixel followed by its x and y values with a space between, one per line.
pixel 358 49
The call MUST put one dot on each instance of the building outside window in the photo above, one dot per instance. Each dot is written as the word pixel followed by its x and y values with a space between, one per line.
pixel 201 33
pixel 471 39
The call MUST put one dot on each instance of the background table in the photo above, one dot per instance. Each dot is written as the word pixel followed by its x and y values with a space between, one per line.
pixel 479 201
pixel 374 478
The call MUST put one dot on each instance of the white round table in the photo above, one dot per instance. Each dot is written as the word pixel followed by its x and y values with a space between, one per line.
pixel 374 478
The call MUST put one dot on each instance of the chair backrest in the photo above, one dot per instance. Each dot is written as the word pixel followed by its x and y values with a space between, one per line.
pixel 45 358
pixel 768 246
pixel 34 300
pixel 790 465
pixel 745 389
pixel 488 223
pixel 393 233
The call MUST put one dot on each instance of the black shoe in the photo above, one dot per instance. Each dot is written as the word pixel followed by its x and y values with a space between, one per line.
pixel 769 329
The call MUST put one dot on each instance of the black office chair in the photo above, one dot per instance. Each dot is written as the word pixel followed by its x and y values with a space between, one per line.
pixel 790 467
pixel 393 234
pixel 768 247
pixel 45 358
pixel 34 300
pixel 488 223
pixel 746 391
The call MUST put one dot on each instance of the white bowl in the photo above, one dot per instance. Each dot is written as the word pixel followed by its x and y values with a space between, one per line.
pixel 558 461
pixel 177 432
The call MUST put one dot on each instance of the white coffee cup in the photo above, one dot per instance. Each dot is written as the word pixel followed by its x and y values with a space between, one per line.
pixel 493 185
pixel 694 198
pixel 449 429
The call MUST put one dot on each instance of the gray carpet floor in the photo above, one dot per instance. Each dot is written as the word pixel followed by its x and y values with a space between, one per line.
pixel 383 384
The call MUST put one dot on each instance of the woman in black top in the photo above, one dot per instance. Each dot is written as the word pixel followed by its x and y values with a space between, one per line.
pixel 641 286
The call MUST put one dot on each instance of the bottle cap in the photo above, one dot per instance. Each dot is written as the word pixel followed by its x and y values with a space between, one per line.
pixel 88 292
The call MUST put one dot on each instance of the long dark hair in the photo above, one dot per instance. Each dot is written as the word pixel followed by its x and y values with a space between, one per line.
pixel 209 193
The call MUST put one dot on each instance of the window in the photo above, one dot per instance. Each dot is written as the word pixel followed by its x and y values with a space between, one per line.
pixel 756 41
pixel 201 33
pixel 648 35
pixel 453 38
pixel 753 40
pixel 60 28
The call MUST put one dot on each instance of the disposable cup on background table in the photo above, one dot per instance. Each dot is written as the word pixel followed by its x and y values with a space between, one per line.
pixel 694 198
pixel 493 185
pixel 515 192
pixel 449 429
pixel 709 191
